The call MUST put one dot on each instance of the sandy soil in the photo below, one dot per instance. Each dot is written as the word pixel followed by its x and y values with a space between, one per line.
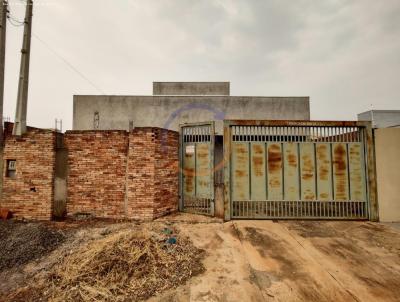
pixel 293 261
pixel 268 260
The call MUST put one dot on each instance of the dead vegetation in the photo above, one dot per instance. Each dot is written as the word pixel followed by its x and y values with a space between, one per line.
pixel 128 265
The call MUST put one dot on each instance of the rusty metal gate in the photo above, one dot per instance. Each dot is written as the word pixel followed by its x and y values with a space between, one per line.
pixel 285 170
pixel 197 168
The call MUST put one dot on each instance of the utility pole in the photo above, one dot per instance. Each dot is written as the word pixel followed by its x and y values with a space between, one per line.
pixel 22 100
pixel 3 27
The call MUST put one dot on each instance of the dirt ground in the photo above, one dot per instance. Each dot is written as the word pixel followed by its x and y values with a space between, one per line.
pixel 293 261
pixel 260 260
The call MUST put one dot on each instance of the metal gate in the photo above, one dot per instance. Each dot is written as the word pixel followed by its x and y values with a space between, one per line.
pixel 197 168
pixel 285 170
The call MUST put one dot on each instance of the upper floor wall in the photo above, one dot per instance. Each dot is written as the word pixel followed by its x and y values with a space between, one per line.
pixel 191 88
pixel 100 112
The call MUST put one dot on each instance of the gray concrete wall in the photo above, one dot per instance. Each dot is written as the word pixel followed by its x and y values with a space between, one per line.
pixel 191 88
pixel 381 118
pixel 387 151
pixel 115 112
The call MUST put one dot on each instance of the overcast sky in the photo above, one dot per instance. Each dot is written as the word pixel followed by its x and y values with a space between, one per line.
pixel 345 54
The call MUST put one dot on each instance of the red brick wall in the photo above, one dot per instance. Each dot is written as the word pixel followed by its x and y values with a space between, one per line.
pixel 30 194
pixel 96 172
pixel 103 165
pixel 141 174
pixel 166 166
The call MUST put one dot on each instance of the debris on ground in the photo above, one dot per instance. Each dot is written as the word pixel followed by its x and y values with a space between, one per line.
pixel 128 265
pixel 22 242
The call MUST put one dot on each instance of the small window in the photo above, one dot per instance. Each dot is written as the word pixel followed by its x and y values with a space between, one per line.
pixel 11 168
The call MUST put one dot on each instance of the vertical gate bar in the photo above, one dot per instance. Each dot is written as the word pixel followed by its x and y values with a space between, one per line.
pixel 284 208
pixel 356 209
pixel 341 209
pixel 328 208
pixel 362 210
pixel 301 208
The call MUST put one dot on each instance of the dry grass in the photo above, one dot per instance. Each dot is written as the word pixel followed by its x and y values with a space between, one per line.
pixel 125 266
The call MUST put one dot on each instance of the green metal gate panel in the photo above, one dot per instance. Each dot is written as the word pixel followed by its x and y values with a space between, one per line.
pixel 307 167
pixel 324 171
pixel 240 166
pixel 257 169
pixel 297 172
pixel 197 168
pixel 274 171
pixel 189 173
pixel 340 172
pixel 357 172
pixel 291 171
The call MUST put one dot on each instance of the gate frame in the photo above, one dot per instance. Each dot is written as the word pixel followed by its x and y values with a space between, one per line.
pixel 181 207
pixel 369 151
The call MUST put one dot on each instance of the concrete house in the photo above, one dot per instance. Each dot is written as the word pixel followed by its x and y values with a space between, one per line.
pixel 192 146
pixel 176 103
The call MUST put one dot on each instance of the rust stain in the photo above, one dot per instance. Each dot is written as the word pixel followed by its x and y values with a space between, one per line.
pixel 292 160
pixel 309 195
pixel 356 178
pixel 307 171
pixel 339 154
pixel 240 173
pixel 324 195
pixel 202 155
pixel 203 161
pixel 323 162
pixel 274 159
pixel 189 173
pixel 340 162
pixel 258 165
pixel 258 160
pixel 257 149
pixel 275 182
pixel 203 183
pixel 241 170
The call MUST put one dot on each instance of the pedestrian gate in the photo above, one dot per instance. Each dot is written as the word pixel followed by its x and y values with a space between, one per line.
pixel 197 168
pixel 286 171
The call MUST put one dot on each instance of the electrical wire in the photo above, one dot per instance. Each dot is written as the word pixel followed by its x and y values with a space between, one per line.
pixel 16 24
pixel 69 64
pixel 12 19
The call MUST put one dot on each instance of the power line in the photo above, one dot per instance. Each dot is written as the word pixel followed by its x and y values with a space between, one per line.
pixel 17 24
pixel 69 64
pixel 12 19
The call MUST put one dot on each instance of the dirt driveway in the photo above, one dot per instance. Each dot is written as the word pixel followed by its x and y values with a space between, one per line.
pixel 292 261
pixel 243 260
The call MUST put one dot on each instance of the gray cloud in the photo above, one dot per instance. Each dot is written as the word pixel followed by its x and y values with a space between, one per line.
pixel 344 54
